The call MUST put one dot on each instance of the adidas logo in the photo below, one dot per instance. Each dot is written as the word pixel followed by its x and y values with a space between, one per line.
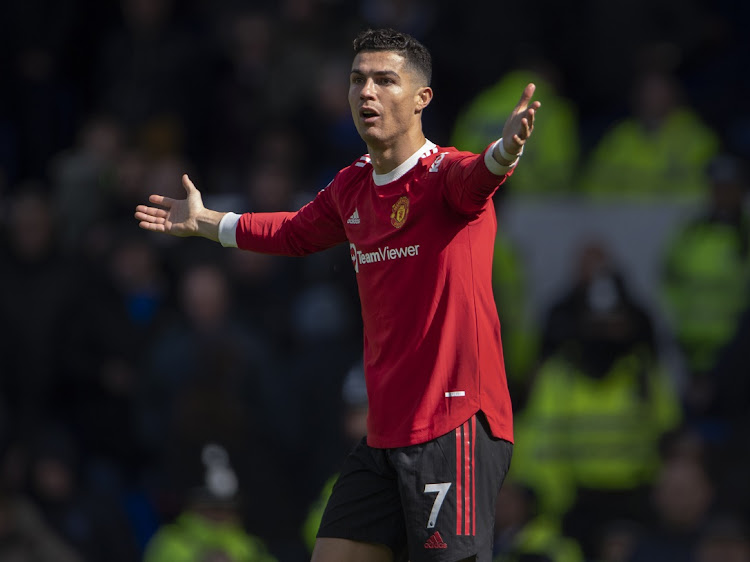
pixel 435 541
pixel 354 219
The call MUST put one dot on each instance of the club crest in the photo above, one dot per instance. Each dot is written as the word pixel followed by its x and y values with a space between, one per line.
pixel 400 211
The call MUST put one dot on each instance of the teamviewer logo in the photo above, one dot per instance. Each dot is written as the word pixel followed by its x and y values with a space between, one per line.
pixel 353 251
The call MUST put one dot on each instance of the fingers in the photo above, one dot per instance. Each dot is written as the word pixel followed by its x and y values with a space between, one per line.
pixel 150 212
pixel 150 218
pixel 528 91
pixel 156 219
pixel 524 131
pixel 161 200
pixel 526 125
pixel 152 226
pixel 528 121
pixel 153 218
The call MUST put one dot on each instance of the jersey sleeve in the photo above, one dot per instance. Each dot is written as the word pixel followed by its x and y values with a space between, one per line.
pixel 472 179
pixel 316 226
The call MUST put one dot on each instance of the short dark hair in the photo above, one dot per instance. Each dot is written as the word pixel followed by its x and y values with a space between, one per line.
pixel 416 54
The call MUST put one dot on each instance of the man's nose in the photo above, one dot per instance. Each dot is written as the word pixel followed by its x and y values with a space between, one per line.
pixel 368 89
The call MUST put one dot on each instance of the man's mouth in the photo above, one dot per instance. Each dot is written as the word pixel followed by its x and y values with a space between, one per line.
pixel 368 115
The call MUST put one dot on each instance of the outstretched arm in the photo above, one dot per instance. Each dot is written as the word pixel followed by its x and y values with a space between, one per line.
pixel 180 217
pixel 517 129
pixel 476 179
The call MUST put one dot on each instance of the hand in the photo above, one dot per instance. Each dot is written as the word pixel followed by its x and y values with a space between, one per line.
pixel 520 123
pixel 179 217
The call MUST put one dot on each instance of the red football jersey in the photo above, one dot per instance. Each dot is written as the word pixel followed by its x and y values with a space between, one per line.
pixel 421 240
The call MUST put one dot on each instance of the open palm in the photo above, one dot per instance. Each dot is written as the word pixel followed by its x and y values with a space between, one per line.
pixel 520 123
pixel 178 217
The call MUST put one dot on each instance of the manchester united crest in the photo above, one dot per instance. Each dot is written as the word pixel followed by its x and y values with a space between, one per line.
pixel 400 210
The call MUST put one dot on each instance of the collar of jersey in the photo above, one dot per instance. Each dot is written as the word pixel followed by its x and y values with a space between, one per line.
pixel 405 166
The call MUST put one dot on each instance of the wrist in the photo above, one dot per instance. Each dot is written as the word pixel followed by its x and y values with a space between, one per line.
pixel 496 162
pixel 207 223
pixel 228 230
pixel 505 157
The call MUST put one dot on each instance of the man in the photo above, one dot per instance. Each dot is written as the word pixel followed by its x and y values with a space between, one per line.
pixel 420 225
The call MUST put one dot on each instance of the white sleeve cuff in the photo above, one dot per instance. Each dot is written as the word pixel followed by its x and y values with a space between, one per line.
pixel 493 165
pixel 228 230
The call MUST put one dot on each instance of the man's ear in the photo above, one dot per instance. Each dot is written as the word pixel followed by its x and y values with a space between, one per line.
pixel 424 97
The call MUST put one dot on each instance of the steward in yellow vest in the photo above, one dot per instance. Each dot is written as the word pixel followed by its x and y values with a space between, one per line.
pixel 706 275
pixel 659 151
pixel 587 439
pixel 554 160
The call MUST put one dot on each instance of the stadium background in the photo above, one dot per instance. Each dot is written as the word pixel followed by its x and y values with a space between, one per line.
pixel 123 353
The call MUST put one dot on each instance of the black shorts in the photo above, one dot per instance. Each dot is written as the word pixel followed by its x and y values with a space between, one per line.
pixel 434 501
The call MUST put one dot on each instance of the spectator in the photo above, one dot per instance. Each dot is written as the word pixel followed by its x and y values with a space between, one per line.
pixel 39 91
pixel 725 539
pixel 705 279
pixel 204 341
pixel 240 97
pixel 209 527
pixel 658 151
pixel 520 332
pixel 83 179
pixel 24 534
pixel 66 63
pixel 588 436
pixel 354 428
pixel 617 540
pixel 682 498
pixel 120 303
pixel 599 297
pixel 556 153
pixel 144 64
pixel 25 537
pixel 89 521
pixel 207 376
pixel 36 289
pixel 327 118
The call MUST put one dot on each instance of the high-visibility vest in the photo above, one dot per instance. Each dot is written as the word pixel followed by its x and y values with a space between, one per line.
pixel 577 431
pixel 191 537
pixel 706 287
pixel 549 164
pixel 520 336
pixel 542 536
pixel 669 162
pixel 311 524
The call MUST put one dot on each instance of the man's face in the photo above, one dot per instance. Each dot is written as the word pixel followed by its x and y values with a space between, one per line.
pixel 385 96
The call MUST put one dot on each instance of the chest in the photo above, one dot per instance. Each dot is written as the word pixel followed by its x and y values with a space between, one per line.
pixel 401 212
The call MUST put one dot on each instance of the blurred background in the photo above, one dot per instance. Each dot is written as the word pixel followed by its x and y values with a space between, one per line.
pixel 169 400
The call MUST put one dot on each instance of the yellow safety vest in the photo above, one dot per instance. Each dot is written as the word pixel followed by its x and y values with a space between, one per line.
pixel 553 153
pixel 578 431
pixel 670 162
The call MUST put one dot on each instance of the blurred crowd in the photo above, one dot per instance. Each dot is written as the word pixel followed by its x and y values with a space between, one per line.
pixel 174 401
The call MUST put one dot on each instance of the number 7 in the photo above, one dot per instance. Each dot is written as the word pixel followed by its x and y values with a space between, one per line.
pixel 441 490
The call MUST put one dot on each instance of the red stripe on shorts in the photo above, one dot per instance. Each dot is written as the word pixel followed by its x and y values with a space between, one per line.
pixel 473 479
pixel 465 485
pixel 467 476
pixel 459 477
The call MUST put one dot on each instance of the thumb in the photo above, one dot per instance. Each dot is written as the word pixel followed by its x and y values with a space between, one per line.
pixel 188 185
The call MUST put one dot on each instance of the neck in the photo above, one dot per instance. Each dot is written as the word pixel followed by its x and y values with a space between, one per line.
pixel 386 157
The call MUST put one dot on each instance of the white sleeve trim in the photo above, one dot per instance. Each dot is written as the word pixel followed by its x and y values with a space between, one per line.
pixel 228 230
pixel 493 165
